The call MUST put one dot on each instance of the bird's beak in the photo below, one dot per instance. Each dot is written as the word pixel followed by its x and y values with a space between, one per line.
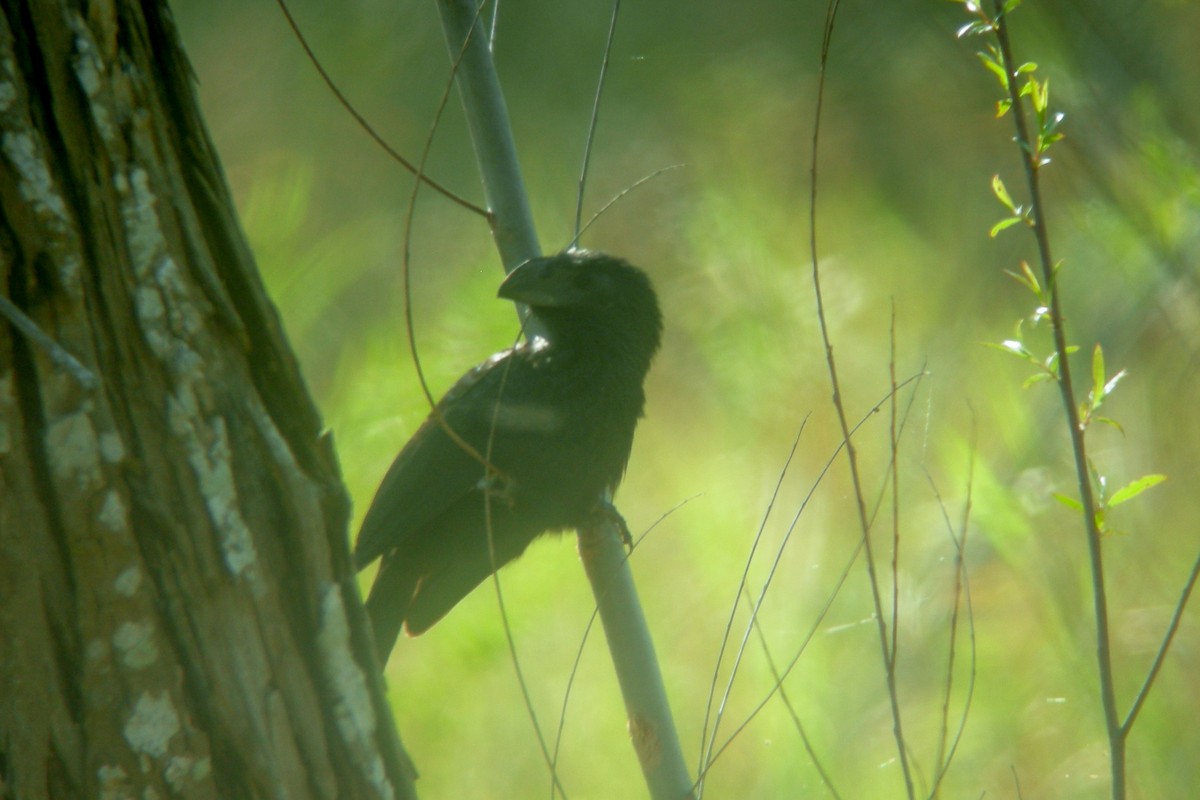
pixel 545 282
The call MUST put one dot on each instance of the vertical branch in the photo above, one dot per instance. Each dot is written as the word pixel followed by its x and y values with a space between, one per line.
pixel 1030 160
pixel 647 711
pixel 650 723
pixel 491 134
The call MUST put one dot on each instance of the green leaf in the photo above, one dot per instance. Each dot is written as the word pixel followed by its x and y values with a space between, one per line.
pixel 1026 278
pixel 1097 376
pixel 1069 502
pixel 1002 195
pixel 1038 377
pixel 1134 488
pixel 1039 95
pixel 993 66
pixel 1021 280
pixel 975 28
pixel 1012 347
pixel 1028 66
pixel 1110 422
pixel 1003 224
pixel 1027 271
pixel 1100 481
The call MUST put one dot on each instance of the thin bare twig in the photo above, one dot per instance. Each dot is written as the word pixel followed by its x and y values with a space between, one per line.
pixel 1168 637
pixel 962 594
pixel 851 455
pixel 893 445
pixel 591 136
pixel 708 753
pixel 706 742
pixel 58 354
pixel 621 195
pixel 365 125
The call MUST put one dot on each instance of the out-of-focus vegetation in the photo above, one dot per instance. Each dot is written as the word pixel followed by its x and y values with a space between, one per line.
pixel 909 145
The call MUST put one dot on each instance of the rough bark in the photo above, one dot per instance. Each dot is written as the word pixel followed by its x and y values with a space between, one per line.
pixel 178 615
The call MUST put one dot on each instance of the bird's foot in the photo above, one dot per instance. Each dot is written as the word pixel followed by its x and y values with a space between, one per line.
pixel 496 485
pixel 605 513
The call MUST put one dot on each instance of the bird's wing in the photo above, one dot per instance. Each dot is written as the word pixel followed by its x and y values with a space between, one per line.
pixel 433 472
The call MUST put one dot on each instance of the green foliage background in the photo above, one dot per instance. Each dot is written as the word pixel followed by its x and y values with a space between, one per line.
pixel 909 147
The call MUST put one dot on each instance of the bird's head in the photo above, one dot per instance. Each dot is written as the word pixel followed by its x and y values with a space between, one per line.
pixel 583 296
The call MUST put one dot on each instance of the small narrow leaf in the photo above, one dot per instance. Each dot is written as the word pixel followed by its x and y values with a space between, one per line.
pixel 1069 502
pixel 994 67
pixel 1028 273
pixel 1014 348
pixel 1101 482
pixel 1134 488
pixel 1002 195
pixel 1026 278
pixel 1097 376
pixel 1003 224
pixel 1021 280
pixel 974 29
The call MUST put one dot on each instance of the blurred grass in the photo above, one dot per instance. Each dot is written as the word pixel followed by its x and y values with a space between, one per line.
pixel 908 148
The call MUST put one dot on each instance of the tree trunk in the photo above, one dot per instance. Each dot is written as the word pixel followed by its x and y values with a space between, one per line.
pixel 178 613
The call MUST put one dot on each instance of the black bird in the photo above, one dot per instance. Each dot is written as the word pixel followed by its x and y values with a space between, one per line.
pixel 553 420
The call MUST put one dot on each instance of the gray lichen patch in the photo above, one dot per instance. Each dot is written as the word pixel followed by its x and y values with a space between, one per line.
pixel 134 644
pixel 152 725
pixel 114 515
pixel 208 454
pixel 353 709
pixel 73 449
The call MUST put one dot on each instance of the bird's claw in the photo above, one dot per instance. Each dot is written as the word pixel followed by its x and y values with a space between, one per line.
pixel 605 513
pixel 498 486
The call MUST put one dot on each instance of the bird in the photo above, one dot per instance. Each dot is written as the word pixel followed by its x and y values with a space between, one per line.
pixel 533 440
